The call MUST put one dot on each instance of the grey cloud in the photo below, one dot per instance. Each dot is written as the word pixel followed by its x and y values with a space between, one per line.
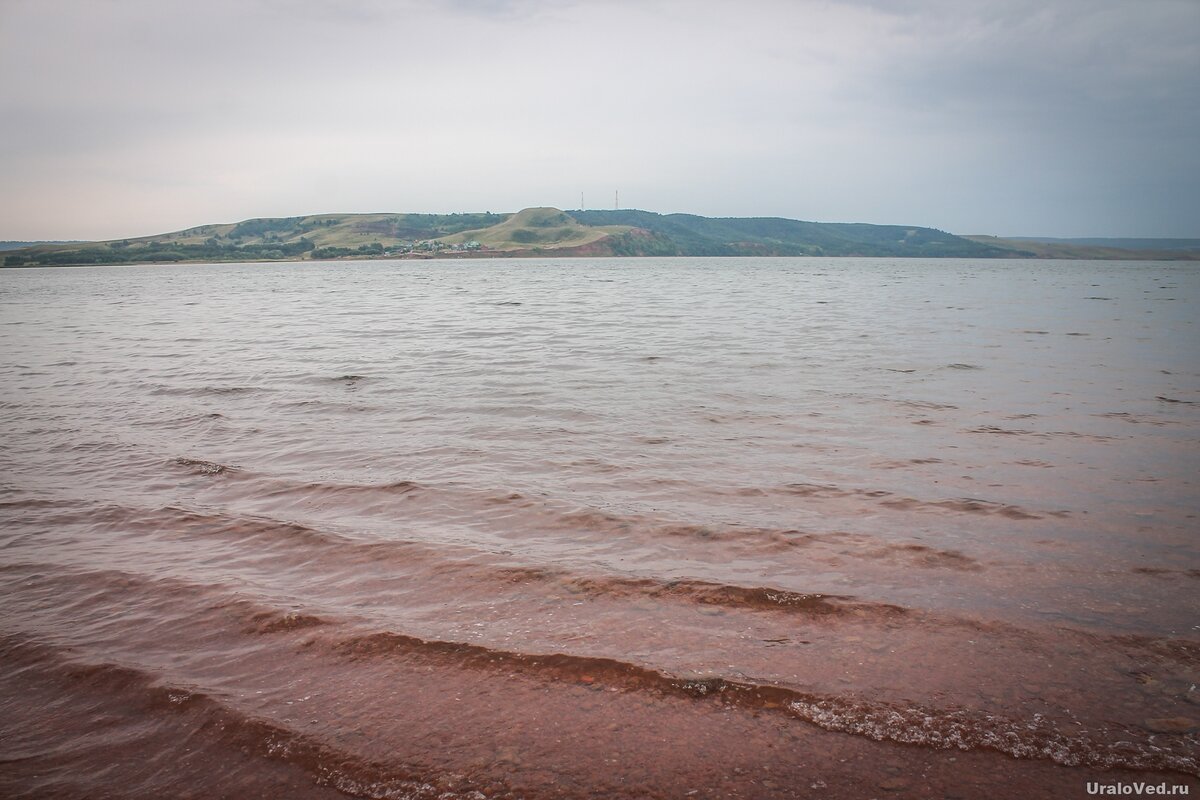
pixel 1063 118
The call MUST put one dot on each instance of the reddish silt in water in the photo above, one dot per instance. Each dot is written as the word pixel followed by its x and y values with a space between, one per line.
pixel 687 528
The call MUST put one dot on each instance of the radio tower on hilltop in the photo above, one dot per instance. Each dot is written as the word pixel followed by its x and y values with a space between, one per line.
pixel 616 199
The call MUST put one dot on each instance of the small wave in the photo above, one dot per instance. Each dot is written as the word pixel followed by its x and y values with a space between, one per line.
pixel 203 416
pixel 273 621
pixel 963 729
pixel 927 405
pixel 291 543
pixel 970 505
pixel 34 502
pixel 206 391
pixel 558 665
pixel 1125 416
pixel 967 505
pixel 202 467
pixel 1165 572
pixel 203 421
pixel 996 429
pixel 934 728
pixel 730 595
pixel 906 463
pixel 281 487
pixel 329 489
pixel 193 522
pixel 216 729
pixel 929 557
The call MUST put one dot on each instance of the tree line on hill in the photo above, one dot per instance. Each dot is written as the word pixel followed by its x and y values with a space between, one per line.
pixel 158 252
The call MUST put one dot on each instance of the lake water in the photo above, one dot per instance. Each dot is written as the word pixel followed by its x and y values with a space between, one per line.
pixel 599 528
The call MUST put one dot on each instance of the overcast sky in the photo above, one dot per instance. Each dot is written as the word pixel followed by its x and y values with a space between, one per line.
pixel 1050 117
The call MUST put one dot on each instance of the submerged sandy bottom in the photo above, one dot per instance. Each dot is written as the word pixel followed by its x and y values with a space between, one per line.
pixel 652 528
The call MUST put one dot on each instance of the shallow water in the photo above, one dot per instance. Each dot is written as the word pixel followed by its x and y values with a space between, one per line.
pixel 599 528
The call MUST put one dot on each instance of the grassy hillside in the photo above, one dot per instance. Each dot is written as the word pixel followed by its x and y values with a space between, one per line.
pixel 1074 249
pixel 535 228
pixel 316 236
pixel 333 230
pixel 730 236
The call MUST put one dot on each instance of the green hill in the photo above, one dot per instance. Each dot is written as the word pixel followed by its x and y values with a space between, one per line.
pixel 547 232
pixel 691 235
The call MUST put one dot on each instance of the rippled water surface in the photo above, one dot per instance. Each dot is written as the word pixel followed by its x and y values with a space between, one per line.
pixel 598 529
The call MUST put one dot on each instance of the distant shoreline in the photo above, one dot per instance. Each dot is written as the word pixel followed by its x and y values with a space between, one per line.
pixel 545 232
pixel 550 255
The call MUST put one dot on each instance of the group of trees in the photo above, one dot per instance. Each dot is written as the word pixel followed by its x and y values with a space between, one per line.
pixel 261 227
pixel 373 249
